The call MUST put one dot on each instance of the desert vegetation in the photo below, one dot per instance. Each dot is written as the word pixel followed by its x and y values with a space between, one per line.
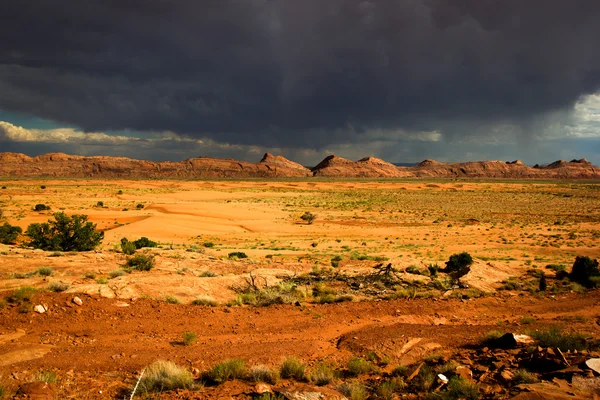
pixel 389 288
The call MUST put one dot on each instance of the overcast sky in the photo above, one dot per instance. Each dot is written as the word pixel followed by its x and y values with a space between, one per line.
pixel 403 80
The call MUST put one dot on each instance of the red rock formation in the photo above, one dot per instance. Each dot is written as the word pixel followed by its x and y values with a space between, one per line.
pixel 64 165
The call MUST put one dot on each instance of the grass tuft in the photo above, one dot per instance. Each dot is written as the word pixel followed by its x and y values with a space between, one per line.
pixel 555 337
pixel 262 373
pixel 357 366
pixel 58 287
pixel 322 374
pixel 22 295
pixel 523 376
pixel 44 271
pixel 189 338
pixel 165 375
pixel 204 301
pixel 353 391
pixel 292 368
pixel 228 370
pixel 45 376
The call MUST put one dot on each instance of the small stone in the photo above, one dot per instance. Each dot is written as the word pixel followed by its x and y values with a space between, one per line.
pixel 39 309
pixel 593 364
pixel 261 388
pixel 77 301
pixel 121 304
pixel 506 375
pixel 442 378
pixel 464 372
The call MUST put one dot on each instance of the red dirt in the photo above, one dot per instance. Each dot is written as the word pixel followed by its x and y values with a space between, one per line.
pixel 99 348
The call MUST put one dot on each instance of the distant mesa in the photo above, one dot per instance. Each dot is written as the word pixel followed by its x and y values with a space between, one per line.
pixel 429 162
pixel 274 166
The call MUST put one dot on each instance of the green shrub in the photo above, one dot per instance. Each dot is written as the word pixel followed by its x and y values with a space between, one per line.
pixel 458 265
pixel 208 244
pixel 144 242
pixel 425 379
pixel 386 389
pixel 322 374
pixel 460 388
pixel 65 233
pixel 262 373
pixel 100 204
pixel 292 368
pixel 165 375
pixel 207 274
pixel 22 295
pixel 139 206
pixel 172 300
pixel 555 337
pixel 140 262
pixel 127 247
pixel 101 280
pixel 189 338
pixel 583 269
pixel 44 271
pixel 204 301
pixel 9 233
pixel 58 287
pixel 308 217
pixel 527 320
pixel 41 207
pixel 89 275
pixel 237 254
pixel 358 366
pixel 228 370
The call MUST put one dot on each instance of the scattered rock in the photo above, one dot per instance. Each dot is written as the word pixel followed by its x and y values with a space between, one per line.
pixel 261 388
pixel 302 395
pixel 593 364
pixel 465 372
pixel 511 341
pixel 77 301
pixel 39 309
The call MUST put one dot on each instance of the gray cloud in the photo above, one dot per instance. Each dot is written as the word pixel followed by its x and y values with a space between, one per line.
pixel 305 74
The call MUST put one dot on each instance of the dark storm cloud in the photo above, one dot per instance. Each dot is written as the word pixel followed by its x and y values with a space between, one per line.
pixel 295 73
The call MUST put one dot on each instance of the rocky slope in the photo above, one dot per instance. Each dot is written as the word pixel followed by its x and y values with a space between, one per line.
pixel 64 165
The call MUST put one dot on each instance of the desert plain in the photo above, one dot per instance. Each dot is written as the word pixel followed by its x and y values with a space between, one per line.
pixel 221 243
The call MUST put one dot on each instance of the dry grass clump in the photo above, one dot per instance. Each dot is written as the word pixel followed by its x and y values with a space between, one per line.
pixel 262 373
pixel 357 366
pixel 165 375
pixel 353 391
pixel 322 374
pixel 204 301
pixel 292 368
pixel 228 370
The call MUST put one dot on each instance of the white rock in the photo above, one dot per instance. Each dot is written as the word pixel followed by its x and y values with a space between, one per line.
pixel 443 378
pixel 39 309
pixel 593 364
pixel 77 301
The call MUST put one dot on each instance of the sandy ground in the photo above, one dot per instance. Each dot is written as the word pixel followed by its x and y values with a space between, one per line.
pixel 509 228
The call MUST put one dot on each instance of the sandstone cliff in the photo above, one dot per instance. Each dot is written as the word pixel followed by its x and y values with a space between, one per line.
pixel 70 166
